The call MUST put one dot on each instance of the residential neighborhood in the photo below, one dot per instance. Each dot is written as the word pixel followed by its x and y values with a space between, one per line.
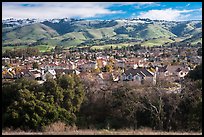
pixel 145 65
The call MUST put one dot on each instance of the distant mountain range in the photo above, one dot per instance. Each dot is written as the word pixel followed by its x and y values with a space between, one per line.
pixel 78 32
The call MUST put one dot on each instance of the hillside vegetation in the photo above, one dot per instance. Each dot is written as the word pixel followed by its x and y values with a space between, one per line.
pixel 72 32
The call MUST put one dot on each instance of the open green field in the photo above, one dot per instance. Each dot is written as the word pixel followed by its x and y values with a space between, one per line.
pixel 42 48
pixel 12 47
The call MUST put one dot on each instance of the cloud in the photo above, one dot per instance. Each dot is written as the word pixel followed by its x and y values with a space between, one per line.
pixel 49 10
pixel 188 5
pixel 132 3
pixel 167 14
pixel 143 5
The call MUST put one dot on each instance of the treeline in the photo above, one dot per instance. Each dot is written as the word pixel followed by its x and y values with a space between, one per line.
pixel 134 47
pixel 36 43
pixel 183 44
pixel 16 44
pixel 87 104
pixel 105 41
pixel 26 52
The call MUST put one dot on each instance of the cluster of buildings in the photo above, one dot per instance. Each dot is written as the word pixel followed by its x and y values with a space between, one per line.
pixel 142 66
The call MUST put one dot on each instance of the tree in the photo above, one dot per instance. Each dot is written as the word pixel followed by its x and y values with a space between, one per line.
pixel 58 49
pixel 73 92
pixel 26 110
pixel 35 65
pixel 190 106
pixel 195 74
pixel 28 105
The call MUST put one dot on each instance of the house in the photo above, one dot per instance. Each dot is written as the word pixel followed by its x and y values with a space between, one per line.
pixel 101 62
pixel 135 62
pixel 139 75
pixel 88 66
pixel 52 66
pixel 66 71
pixel 115 76
pixel 71 65
pixel 26 73
pixel 162 71
pixel 119 64
pixel 36 74
pixel 177 70
pixel 5 61
pixel 48 73
pixel 6 74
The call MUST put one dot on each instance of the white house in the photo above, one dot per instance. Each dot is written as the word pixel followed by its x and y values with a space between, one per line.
pixel 49 73
pixel 140 75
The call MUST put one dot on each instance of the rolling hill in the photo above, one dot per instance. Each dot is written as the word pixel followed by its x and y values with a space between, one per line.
pixel 28 33
pixel 76 32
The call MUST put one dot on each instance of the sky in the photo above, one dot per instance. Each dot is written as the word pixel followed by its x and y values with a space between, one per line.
pixel 170 11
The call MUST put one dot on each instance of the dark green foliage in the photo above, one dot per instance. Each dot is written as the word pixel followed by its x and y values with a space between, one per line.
pixel 88 36
pixel 104 24
pixel 35 65
pixel 62 27
pixel 199 51
pixel 178 30
pixel 195 74
pixel 28 105
pixel 58 49
pixel 121 30
pixel 190 107
pixel 27 52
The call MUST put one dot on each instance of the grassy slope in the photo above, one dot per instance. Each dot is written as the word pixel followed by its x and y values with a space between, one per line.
pixel 74 42
pixel 44 48
pixel 101 33
pixel 78 35
pixel 196 41
pixel 157 42
pixel 29 33
pixel 155 31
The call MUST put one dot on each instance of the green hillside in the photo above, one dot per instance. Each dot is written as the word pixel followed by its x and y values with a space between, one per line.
pixel 101 33
pixel 77 35
pixel 194 39
pixel 185 29
pixel 89 32
pixel 155 31
pixel 156 42
pixel 28 34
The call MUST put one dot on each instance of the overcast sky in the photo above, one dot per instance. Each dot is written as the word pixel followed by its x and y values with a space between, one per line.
pixel 171 11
